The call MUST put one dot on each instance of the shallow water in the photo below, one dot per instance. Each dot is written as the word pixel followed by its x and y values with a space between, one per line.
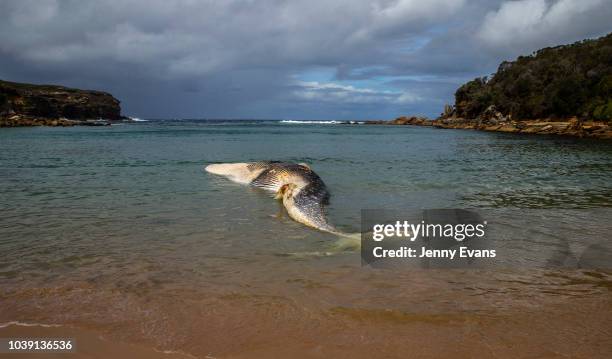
pixel 119 230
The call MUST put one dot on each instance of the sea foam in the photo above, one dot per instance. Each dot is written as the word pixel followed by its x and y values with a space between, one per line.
pixel 312 122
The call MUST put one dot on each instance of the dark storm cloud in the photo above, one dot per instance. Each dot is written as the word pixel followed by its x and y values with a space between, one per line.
pixel 251 58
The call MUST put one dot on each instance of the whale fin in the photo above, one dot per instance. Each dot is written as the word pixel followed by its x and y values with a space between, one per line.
pixel 272 179
pixel 283 189
pixel 269 180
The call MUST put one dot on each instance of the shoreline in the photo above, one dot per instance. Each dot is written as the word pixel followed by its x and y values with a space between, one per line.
pixel 18 120
pixel 571 127
pixel 505 333
pixel 568 127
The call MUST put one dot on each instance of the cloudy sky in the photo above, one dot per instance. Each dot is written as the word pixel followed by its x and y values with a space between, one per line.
pixel 313 59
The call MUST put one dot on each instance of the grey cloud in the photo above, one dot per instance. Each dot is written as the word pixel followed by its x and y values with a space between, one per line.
pixel 526 25
pixel 240 58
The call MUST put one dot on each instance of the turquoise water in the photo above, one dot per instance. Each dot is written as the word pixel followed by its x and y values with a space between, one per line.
pixel 123 224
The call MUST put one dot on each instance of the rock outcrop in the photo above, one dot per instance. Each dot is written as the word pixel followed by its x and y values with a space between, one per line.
pixel 403 120
pixel 569 127
pixel 49 105
pixel 413 120
pixel 493 120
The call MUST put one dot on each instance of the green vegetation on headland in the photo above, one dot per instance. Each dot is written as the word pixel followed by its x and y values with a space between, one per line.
pixel 49 105
pixel 554 82
pixel 563 90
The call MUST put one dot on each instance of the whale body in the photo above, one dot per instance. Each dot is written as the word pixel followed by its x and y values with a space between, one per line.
pixel 303 193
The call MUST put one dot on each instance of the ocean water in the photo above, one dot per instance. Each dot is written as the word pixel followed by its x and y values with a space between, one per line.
pixel 119 230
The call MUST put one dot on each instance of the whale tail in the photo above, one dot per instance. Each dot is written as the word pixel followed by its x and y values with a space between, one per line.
pixel 347 242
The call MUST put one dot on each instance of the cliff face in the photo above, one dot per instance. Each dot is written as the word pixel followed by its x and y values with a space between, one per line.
pixel 27 104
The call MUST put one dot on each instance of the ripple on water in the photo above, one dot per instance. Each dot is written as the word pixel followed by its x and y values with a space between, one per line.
pixel 121 231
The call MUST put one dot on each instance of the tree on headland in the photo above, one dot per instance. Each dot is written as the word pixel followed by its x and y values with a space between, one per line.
pixel 554 82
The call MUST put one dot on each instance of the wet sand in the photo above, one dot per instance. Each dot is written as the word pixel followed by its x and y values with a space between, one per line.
pixel 91 345
pixel 549 314
pixel 376 333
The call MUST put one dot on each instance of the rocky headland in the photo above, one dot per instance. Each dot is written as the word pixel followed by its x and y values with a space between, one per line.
pixel 562 90
pixel 49 105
